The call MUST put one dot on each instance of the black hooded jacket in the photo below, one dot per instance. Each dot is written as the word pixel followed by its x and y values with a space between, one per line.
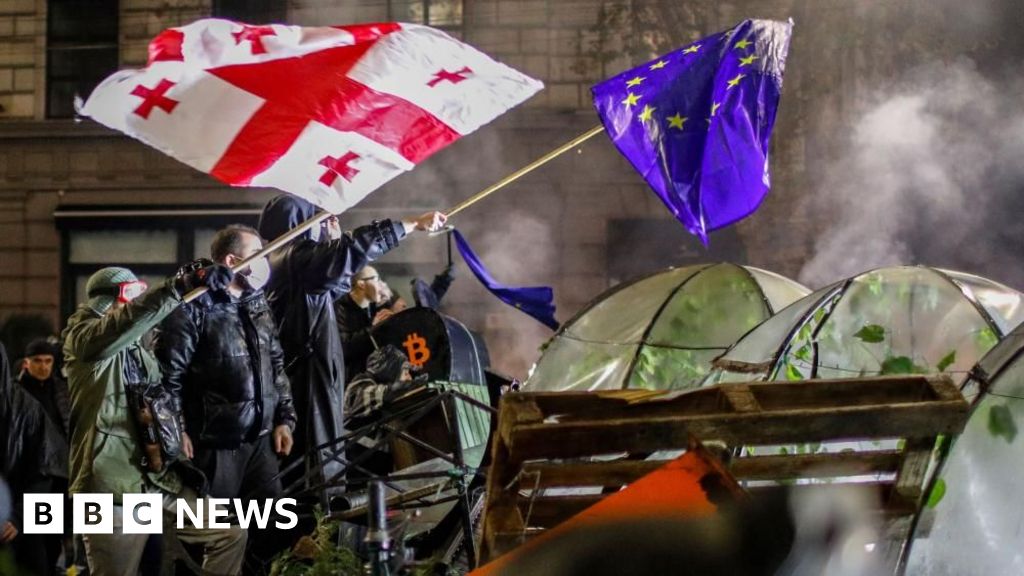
pixel 221 358
pixel 305 277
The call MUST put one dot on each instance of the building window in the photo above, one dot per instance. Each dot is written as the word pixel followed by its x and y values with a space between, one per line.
pixel 440 13
pixel 251 11
pixel 152 241
pixel 81 50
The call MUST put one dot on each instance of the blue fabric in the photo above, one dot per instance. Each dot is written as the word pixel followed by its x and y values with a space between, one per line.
pixel 696 122
pixel 537 301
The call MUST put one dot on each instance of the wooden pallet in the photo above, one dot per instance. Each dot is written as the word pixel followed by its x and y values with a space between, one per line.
pixel 547 440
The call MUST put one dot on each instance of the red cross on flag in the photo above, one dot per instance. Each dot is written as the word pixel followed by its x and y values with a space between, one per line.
pixel 329 114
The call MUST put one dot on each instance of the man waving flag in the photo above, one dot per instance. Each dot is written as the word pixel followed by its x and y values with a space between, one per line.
pixel 328 114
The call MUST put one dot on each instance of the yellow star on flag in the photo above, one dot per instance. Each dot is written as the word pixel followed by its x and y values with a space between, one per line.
pixel 714 108
pixel 735 81
pixel 748 60
pixel 692 49
pixel 676 121
pixel 742 44
pixel 636 80
pixel 658 65
pixel 646 114
pixel 631 100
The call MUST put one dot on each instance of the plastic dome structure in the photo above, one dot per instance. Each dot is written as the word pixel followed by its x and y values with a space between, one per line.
pixel 970 523
pixel 898 320
pixel 660 331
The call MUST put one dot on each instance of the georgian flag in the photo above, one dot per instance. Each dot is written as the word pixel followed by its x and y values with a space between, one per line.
pixel 328 113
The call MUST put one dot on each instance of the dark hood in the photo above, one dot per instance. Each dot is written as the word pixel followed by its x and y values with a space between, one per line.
pixel 283 213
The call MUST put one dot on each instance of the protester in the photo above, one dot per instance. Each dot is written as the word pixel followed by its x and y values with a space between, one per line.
pixel 357 311
pixel 370 302
pixel 305 275
pixel 105 365
pixel 430 295
pixel 221 356
pixel 388 374
pixel 22 460
pixel 50 392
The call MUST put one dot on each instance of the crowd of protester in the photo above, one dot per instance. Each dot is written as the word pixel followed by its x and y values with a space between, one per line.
pixel 144 392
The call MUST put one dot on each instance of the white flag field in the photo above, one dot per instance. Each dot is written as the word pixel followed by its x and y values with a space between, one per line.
pixel 325 113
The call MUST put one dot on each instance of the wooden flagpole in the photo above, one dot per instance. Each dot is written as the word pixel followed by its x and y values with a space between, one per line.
pixel 318 218
pixel 524 170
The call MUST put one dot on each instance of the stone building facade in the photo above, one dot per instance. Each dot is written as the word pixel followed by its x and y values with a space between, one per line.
pixel 75 196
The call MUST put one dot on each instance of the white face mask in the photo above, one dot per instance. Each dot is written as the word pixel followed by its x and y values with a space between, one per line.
pixel 259 274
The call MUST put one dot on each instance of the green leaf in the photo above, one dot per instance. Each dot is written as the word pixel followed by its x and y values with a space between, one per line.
pixel 1001 424
pixel 871 333
pixel 946 361
pixel 901 365
pixel 987 339
pixel 819 315
pixel 803 353
pixel 938 491
pixel 792 373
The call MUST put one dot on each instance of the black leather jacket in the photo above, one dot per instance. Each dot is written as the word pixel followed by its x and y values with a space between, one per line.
pixel 222 358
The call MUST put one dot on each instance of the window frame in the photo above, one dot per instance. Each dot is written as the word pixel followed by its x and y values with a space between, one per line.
pixel 109 46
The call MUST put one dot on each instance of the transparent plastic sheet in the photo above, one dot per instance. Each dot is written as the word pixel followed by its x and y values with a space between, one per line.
pixel 928 326
pixel 625 315
pixel 760 345
pixel 671 369
pixel 970 522
pixel 778 290
pixel 569 364
pixel 713 309
pixel 1004 304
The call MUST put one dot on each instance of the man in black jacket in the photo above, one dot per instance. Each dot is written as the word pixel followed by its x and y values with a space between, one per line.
pixel 37 378
pixel 357 312
pixel 307 275
pixel 22 456
pixel 221 356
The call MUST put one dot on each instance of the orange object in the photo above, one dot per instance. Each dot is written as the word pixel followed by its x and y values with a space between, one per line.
pixel 687 487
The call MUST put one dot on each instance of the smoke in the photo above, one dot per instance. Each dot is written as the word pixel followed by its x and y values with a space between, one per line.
pixel 932 174
pixel 518 251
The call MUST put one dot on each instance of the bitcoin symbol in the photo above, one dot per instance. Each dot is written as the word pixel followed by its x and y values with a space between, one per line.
pixel 416 349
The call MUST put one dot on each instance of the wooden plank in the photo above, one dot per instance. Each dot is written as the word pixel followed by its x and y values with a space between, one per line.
pixel 503 527
pixel 944 388
pixel 774 467
pixel 574 406
pixel 741 399
pixel 824 465
pixel 861 392
pixel 548 511
pixel 585 438
pixel 614 473
pixel 917 454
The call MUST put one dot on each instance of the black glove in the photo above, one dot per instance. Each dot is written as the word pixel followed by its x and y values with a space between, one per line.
pixel 216 277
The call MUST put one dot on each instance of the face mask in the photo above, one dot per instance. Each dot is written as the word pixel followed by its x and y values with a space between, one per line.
pixel 259 274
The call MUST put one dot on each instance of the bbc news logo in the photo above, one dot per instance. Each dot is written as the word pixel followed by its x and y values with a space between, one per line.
pixel 144 513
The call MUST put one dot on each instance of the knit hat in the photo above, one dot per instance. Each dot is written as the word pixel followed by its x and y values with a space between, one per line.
pixel 40 346
pixel 103 286
pixel 386 363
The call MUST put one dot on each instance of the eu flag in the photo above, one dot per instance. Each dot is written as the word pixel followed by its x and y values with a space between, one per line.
pixel 537 301
pixel 696 122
